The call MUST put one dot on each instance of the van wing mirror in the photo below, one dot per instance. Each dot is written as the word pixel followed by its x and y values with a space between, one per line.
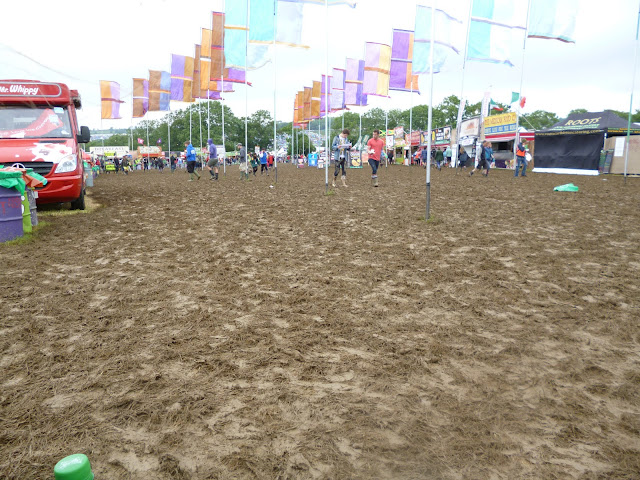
pixel 84 136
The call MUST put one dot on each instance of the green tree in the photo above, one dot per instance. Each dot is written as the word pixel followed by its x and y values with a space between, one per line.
pixel 539 120
pixel 578 110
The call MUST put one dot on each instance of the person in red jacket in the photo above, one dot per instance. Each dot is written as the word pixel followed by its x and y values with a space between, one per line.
pixel 375 146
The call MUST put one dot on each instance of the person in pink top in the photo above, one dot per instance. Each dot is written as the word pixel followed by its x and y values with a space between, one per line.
pixel 375 146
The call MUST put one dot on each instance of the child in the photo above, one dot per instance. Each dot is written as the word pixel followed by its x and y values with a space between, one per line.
pixel 254 163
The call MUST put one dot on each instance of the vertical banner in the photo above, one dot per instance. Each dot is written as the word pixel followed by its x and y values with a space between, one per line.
pixel 140 97
pixel 110 99
pixel 377 66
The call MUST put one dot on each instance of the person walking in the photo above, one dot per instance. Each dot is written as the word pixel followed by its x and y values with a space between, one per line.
pixel 521 160
pixel 172 163
pixel 212 163
pixel 486 154
pixel 341 148
pixel 254 163
pixel 463 158
pixel 375 146
pixel 242 159
pixel 424 156
pixel 447 155
pixel 263 162
pixel 439 158
pixel 116 162
pixel 191 161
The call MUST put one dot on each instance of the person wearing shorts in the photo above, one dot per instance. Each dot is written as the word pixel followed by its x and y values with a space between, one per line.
pixel 212 163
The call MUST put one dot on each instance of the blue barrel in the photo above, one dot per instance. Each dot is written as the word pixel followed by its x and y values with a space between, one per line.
pixel 10 214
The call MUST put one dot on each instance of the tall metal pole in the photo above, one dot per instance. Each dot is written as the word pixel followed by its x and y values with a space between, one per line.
pixel 429 122
pixel 246 98
pixel 326 93
pixel 411 111
pixel 200 114
pixel 224 146
pixel 169 136
pixel 360 146
pixel 524 44
pixel 462 101
pixel 275 84
pixel 635 64
pixel 386 129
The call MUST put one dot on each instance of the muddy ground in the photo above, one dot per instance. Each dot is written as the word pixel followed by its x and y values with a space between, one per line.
pixel 195 330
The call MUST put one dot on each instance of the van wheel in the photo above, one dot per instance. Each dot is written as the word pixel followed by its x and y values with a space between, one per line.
pixel 78 203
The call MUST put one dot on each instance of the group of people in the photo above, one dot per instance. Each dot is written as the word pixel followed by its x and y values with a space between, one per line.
pixel 341 148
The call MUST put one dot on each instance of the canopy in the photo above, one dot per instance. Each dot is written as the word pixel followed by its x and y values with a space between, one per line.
pixel 607 121
pixel 573 145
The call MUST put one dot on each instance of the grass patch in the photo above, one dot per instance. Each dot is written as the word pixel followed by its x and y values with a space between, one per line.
pixel 432 220
pixel 56 210
pixel 330 192
pixel 29 237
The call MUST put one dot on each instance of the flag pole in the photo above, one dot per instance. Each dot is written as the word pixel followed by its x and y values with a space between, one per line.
pixel 208 116
pixel 524 44
pixel 430 118
pixel 246 97
pixel 326 80
pixel 461 108
pixel 147 143
pixel 411 113
pixel 275 83
pixel 169 135
pixel 635 64
pixel 200 114
pixel 224 147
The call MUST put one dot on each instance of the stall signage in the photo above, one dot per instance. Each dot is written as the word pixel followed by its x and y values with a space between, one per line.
pixel 11 89
pixel 470 128
pixel 149 150
pixel 505 123
pixel 415 138
pixel 109 151
pixel 439 136
pixel 398 136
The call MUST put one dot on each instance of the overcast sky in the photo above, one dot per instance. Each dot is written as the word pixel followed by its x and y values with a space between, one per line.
pixel 81 43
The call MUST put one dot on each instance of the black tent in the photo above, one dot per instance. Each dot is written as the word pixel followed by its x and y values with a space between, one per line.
pixel 573 145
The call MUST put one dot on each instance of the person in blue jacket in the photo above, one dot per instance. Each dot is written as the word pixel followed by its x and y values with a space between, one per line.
pixel 263 162
pixel 191 161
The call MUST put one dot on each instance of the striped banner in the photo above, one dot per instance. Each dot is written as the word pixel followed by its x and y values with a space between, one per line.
pixel 159 90
pixel 140 97
pixel 181 78
pixel 377 65
pixel 402 62
pixel 337 89
pixel 354 79
pixel 110 99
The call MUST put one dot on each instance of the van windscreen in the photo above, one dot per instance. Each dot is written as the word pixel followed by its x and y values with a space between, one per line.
pixel 34 122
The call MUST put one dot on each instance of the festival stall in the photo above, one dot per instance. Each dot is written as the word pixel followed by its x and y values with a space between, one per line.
pixel 500 130
pixel 576 145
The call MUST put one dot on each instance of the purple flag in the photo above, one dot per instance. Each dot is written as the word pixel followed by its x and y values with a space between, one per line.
pixel 337 89
pixel 402 62
pixel 353 83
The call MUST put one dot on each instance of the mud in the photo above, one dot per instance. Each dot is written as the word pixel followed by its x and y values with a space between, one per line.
pixel 195 330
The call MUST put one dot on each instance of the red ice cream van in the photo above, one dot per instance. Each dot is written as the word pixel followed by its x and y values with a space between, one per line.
pixel 39 129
